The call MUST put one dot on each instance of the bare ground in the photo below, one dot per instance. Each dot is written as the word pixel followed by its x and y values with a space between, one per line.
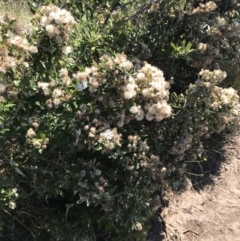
pixel 211 212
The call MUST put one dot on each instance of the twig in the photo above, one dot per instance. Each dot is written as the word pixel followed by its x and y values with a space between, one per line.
pixel 19 222
pixel 121 193
pixel 114 6
pixel 190 231
pixel 219 153
pixel 200 236
pixel 141 10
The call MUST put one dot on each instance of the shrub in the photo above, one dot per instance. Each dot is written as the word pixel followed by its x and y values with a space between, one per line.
pixel 87 144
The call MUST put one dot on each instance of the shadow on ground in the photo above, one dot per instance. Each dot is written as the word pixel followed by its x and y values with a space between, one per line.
pixel 201 175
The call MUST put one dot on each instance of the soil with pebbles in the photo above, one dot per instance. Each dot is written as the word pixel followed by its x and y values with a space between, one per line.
pixel 209 209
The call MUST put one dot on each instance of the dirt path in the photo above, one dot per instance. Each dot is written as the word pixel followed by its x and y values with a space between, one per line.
pixel 212 214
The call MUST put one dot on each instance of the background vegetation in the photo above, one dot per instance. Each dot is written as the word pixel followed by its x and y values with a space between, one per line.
pixel 103 104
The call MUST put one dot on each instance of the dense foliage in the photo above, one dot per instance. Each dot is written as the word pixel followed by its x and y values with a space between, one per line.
pixel 102 105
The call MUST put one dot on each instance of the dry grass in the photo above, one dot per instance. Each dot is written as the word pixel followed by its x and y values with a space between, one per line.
pixel 19 10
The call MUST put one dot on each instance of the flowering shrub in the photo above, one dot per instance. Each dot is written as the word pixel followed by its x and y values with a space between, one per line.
pixel 55 22
pixel 86 148
pixel 203 34
pixel 209 109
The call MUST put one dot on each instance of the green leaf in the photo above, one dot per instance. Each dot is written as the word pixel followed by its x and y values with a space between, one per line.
pixel 9 105
pixel 3 131
pixel 43 136
pixel 19 171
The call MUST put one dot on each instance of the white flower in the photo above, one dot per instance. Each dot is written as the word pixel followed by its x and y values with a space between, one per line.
pixel 43 85
pixel 50 30
pixel 149 117
pixel 25 64
pixel 63 71
pixel 141 76
pixel 67 50
pixel 129 94
pixel 230 91
pixel 140 115
pixel 56 102
pixel 134 109
pixel 12 204
pixel 44 20
pixel 108 134
pixel 81 75
pixel 130 87
pixel 33 49
pixel 138 226
pixel 131 80
pixel 157 85
pixel 83 85
pixel 52 16
pixel 58 19
pixel 14 190
pixel 57 93
pixel 88 70
pixel 147 92
pixel 66 80
pixel 127 65
pixel 30 133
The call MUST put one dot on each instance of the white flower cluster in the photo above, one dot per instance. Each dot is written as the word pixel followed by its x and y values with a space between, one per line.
pixel 35 142
pixel 110 138
pixel 22 43
pixel 220 21
pixel 56 22
pixel 202 47
pixel 224 100
pixel 6 62
pixel 98 134
pixel 214 77
pixel 218 97
pixel 45 87
pixel 58 95
pixel 8 57
pixel 91 180
pixel 147 86
pixel 224 96
pixel 153 89
pixel 91 78
pixel 205 8
pixel 65 78
pixel 120 61
pixel 136 144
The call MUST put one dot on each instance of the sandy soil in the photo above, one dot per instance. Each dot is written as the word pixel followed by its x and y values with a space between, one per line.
pixel 211 213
